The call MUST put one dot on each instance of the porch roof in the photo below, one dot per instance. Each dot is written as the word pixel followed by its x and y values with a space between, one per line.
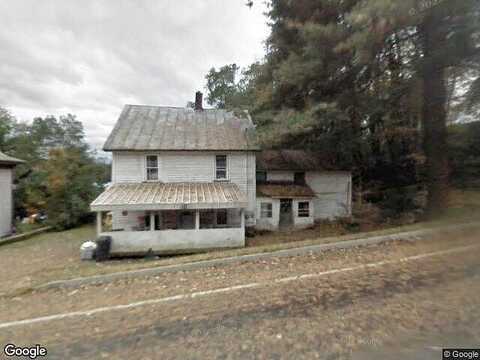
pixel 9 161
pixel 170 196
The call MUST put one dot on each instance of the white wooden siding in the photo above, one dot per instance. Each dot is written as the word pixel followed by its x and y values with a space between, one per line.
pixel 333 194
pixel 128 167
pixel 126 222
pixel 332 191
pixel 273 223
pixel 190 166
pixel 280 175
pixel 250 218
pixel 5 201
pixel 303 222
pixel 268 223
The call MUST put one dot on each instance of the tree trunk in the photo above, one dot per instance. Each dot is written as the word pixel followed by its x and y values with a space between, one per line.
pixel 434 120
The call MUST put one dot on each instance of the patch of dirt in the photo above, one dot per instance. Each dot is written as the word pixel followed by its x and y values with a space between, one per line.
pixel 41 303
pixel 325 318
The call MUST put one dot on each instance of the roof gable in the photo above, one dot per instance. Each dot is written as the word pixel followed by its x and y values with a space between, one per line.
pixel 146 128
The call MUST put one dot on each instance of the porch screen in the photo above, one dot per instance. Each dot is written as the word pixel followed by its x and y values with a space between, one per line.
pixel 222 217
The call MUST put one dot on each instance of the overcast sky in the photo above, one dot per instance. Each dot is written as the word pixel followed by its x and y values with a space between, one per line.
pixel 90 57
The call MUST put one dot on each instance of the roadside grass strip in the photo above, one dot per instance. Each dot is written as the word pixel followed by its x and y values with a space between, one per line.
pixel 224 290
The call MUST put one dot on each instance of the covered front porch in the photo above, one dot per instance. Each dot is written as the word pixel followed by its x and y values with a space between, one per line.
pixel 163 218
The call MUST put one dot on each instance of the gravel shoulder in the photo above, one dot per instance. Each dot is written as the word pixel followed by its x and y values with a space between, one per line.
pixel 47 302
pixel 328 318
pixel 55 256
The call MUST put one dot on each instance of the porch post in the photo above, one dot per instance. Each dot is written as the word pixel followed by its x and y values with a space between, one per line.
pixel 242 218
pixel 99 223
pixel 152 221
pixel 197 219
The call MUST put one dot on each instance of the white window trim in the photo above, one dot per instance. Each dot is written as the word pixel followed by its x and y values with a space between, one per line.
pixel 269 212
pixel 146 168
pixel 227 173
pixel 303 212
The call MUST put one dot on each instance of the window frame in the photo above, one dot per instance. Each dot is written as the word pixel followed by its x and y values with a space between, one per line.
pixel 302 212
pixel 221 169
pixel 266 213
pixel 150 167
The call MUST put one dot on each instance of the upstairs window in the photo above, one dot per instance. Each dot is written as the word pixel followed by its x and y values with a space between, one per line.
pixel 304 209
pixel 221 167
pixel 152 168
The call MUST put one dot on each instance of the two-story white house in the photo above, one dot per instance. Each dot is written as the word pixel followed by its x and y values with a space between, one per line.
pixel 182 180
pixel 7 165
pixel 186 180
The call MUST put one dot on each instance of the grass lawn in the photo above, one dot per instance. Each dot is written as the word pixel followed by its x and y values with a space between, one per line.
pixel 55 255
pixel 24 228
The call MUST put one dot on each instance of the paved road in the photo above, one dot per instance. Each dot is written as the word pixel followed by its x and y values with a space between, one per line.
pixel 357 304
pixel 419 346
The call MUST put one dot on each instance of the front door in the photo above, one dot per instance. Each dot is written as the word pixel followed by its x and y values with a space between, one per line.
pixel 286 213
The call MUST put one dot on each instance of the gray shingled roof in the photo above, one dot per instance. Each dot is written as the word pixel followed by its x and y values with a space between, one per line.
pixel 292 160
pixel 284 190
pixel 8 160
pixel 145 128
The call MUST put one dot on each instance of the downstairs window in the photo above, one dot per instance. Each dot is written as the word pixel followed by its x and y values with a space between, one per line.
pixel 304 209
pixel 266 210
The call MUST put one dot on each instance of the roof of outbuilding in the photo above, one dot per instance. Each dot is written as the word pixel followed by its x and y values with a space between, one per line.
pixel 146 128
pixel 8 160
pixel 163 196
pixel 284 190
pixel 292 160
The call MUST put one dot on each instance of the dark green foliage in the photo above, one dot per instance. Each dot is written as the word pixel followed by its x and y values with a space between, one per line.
pixel 227 89
pixel 369 84
pixel 71 186
pixel 6 124
pixel 425 42
pixel 222 86
pixel 464 150
pixel 60 176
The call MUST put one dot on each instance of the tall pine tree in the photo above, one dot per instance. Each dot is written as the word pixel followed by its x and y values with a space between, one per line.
pixel 435 36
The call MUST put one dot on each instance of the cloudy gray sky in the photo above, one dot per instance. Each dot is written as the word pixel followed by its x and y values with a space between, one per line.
pixel 90 57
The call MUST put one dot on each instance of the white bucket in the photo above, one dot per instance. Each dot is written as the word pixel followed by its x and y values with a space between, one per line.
pixel 87 250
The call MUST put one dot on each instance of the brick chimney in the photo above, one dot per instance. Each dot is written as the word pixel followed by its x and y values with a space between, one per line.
pixel 198 101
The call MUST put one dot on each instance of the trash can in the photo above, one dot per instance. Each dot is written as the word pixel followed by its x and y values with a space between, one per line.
pixel 87 250
pixel 103 248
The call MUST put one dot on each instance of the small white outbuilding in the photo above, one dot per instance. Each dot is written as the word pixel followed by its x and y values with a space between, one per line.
pixel 295 188
pixel 7 165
